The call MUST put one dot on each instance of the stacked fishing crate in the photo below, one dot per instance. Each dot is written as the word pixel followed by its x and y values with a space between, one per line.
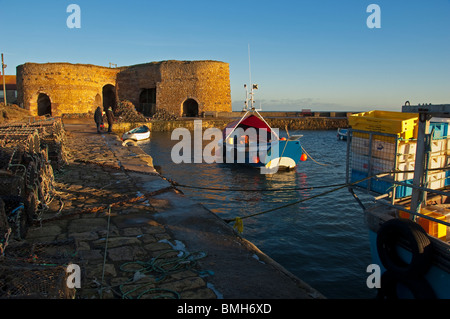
pixel 383 142
pixel 437 175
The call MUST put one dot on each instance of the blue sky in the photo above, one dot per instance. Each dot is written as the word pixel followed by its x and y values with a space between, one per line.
pixel 304 54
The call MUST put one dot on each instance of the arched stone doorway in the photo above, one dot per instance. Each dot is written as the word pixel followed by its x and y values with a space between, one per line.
pixel 190 108
pixel 109 97
pixel 147 102
pixel 44 105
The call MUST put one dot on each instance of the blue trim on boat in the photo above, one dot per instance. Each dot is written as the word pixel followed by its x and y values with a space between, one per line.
pixel 438 278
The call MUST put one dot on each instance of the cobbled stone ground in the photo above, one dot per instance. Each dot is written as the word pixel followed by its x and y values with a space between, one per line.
pixel 114 243
pixel 135 236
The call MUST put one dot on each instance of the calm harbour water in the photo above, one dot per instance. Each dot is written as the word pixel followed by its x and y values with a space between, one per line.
pixel 323 241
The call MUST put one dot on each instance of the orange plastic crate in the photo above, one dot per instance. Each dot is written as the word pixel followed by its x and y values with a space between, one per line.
pixel 432 228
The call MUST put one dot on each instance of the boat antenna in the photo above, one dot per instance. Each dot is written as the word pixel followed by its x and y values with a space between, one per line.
pixel 252 86
pixel 246 99
pixel 246 102
pixel 249 66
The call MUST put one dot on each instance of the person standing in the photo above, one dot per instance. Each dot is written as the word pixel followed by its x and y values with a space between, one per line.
pixel 98 118
pixel 110 118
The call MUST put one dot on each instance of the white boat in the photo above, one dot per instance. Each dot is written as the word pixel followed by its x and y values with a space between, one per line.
pixel 342 134
pixel 137 134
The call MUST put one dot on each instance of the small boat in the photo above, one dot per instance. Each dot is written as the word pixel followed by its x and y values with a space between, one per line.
pixel 137 134
pixel 252 142
pixel 342 134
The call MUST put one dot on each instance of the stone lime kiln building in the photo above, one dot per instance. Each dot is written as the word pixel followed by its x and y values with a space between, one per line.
pixel 184 88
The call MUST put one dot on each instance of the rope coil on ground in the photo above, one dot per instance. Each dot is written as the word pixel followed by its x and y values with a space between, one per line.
pixel 158 268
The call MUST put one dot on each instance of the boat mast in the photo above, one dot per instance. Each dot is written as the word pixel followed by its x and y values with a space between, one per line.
pixel 252 108
pixel 252 101
pixel 249 95
pixel 250 78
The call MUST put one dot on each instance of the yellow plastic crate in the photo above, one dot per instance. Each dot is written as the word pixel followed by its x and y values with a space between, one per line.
pixel 402 124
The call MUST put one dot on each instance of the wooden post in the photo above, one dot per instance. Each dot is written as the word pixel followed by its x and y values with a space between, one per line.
pixel 4 86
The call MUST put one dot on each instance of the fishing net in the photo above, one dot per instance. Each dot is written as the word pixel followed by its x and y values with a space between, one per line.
pixel 126 112
pixel 36 283
pixel 37 270
pixel 29 152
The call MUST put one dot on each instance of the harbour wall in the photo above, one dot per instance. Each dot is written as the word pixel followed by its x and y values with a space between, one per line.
pixel 294 114
pixel 290 123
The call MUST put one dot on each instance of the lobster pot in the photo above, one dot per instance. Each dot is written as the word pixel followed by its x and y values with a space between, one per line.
pixel 26 175
pixel 5 157
pixel 4 225
pixel 23 278
pixel 36 283
pixel 33 144
pixel 55 152
pixel 11 184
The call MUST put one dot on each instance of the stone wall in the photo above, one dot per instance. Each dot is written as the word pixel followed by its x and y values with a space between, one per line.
pixel 307 124
pixel 205 82
pixel 70 88
pixel 132 80
pixel 78 88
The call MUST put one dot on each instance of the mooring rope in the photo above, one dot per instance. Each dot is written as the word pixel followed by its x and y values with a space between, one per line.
pixel 292 203
pixel 313 158
pixel 238 220
pixel 106 249
pixel 97 209
pixel 231 189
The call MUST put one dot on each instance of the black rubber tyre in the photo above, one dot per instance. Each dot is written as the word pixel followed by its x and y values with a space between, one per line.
pixel 414 237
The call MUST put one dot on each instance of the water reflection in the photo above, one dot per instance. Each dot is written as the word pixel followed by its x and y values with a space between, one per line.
pixel 316 239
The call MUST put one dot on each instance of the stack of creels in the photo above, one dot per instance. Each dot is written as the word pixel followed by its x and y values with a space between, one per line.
pixel 27 139
pixel 26 175
pixel 163 115
pixel 26 189
pixel 32 137
pixel 126 112
pixel 54 142
pixel 38 270
pixel 56 152
pixel 37 282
